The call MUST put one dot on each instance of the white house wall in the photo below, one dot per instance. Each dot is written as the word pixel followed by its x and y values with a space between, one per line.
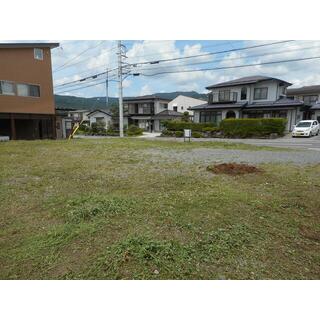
pixel 107 119
pixel 183 103
pixel 273 91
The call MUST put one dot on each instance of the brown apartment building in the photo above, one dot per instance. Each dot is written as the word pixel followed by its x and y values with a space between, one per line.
pixel 27 108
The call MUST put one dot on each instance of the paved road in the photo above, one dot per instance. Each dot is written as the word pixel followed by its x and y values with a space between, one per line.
pixel 312 143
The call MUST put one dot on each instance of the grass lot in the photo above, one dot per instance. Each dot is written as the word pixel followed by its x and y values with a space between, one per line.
pixel 102 209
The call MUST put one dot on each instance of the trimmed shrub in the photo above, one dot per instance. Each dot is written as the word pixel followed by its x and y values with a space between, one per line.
pixel 246 128
pixel 98 128
pixel 134 131
pixel 177 125
pixel 196 134
pixel 178 134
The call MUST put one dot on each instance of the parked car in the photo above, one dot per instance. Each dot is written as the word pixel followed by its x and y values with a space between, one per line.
pixel 306 128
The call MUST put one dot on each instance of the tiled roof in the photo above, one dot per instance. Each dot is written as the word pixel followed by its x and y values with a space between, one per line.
pixel 147 97
pixel 99 110
pixel 219 106
pixel 284 102
pixel 244 80
pixel 315 106
pixel 12 45
pixel 167 114
pixel 304 90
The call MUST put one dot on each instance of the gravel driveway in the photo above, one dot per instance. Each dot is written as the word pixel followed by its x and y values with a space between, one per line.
pixel 208 155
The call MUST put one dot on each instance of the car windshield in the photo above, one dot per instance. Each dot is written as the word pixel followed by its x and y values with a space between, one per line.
pixel 303 124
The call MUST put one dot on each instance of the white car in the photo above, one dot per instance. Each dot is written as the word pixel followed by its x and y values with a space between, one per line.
pixel 306 128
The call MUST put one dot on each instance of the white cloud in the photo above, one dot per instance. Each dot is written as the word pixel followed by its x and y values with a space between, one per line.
pixel 145 90
pixel 298 73
pixel 126 83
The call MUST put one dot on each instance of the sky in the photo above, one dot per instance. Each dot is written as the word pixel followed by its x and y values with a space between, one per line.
pixel 74 60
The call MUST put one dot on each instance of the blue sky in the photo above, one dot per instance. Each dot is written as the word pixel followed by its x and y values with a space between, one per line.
pixel 97 56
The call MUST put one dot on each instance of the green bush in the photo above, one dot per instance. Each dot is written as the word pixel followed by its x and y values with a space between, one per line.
pixel 112 132
pixel 246 128
pixel 178 134
pixel 177 125
pixel 210 129
pixel 98 128
pixel 134 130
pixel 196 134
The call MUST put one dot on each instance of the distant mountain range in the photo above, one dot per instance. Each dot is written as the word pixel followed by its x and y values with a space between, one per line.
pixel 72 102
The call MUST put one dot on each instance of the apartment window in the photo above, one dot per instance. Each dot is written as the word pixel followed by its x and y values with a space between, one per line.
pixel 210 117
pixel 260 94
pixel 34 90
pixel 244 93
pixel 38 54
pixel 28 90
pixel 7 88
pixel 310 99
pixel 224 95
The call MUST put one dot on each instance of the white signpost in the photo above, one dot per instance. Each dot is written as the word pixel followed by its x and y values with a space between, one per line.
pixel 186 134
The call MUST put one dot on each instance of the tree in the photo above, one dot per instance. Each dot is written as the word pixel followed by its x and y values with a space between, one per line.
pixel 185 117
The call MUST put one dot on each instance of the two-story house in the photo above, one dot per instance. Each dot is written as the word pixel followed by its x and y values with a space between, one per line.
pixel 147 112
pixel 249 97
pixel 27 107
pixel 310 95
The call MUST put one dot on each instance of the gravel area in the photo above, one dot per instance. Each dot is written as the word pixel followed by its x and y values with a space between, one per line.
pixel 207 155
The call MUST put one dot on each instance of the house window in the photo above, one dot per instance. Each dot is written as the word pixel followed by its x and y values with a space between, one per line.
pixel 260 93
pixel 210 117
pixel 38 54
pixel 175 108
pixel 181 107
pixel 7 88
pixel 164 105
pixel 100 120
pixel 28 90
pixel 224 95
pixel 310 99
pixel 244 93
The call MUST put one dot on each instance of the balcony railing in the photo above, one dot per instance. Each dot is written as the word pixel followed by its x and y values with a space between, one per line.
pixel 222 97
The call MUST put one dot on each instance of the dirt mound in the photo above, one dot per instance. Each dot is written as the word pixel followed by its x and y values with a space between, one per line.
pixel 233 168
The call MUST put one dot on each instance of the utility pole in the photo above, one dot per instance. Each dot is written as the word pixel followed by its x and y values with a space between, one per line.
pixel 120 88
pixel 107 90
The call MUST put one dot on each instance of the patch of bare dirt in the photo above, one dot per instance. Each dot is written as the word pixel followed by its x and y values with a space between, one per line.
pixel 309 234
pixel 233 168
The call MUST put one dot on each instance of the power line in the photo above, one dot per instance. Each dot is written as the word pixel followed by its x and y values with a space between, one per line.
pixel 232 59
pixel 187 57
pixel 86 59
pixel 210 53
pixel 202 47
pixel 61 67
pixel 231 67
pixel 83 87
pixel 86 78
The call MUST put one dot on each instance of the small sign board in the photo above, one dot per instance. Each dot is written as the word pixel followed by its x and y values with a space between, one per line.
pixel 187 134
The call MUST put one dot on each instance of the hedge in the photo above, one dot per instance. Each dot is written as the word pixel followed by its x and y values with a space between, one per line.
pixel 176 125
pixel 244 128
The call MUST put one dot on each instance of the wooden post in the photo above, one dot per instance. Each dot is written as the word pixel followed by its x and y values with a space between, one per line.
pixel 13 128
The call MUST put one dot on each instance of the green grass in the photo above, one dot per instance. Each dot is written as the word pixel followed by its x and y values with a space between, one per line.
pixel 106 209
